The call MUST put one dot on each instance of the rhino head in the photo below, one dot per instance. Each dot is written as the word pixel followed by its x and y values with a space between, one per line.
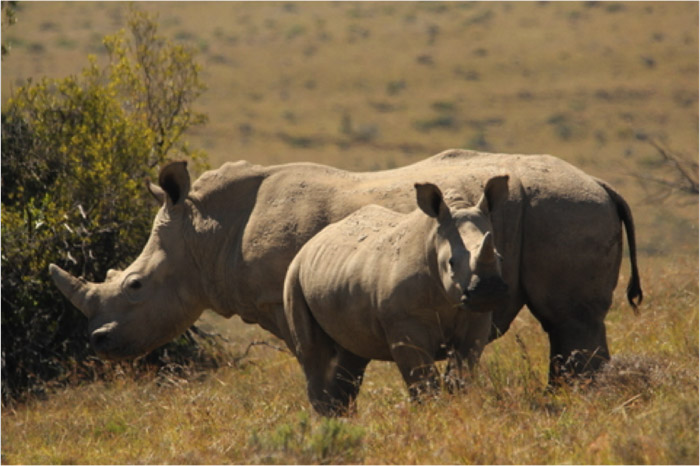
pixel 468 264
pixel 158 296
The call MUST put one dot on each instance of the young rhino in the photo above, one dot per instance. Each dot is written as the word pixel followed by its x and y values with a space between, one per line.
pixel 390 286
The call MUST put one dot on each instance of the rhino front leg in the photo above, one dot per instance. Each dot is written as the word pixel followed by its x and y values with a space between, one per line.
pixel 473 335
pixel 415 360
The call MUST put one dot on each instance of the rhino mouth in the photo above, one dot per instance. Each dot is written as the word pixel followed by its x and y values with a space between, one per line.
pixel 108 345
pixel 485 295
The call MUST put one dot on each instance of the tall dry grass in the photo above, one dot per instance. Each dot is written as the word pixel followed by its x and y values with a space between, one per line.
pixel 643 409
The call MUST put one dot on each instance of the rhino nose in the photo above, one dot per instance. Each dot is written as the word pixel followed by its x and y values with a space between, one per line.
pixel 488 286
pixel 101 339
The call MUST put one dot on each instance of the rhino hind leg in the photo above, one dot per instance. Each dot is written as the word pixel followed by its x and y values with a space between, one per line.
pixel 331 385
pixel 572 309
pixel 349 370
pixel 333 375
pixel 569 277
pixel 578 347
pixel 569 361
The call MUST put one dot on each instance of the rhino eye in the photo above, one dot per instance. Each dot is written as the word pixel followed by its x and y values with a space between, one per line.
pixel 452 263
pixel 132 287
pixel 135 285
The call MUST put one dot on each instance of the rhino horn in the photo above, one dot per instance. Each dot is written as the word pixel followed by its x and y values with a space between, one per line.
pixel 487 252
pixel 78 291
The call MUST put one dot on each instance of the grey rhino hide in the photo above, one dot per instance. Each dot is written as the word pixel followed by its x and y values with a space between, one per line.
pixel 559 232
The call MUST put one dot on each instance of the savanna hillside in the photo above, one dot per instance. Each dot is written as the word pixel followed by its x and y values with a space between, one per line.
pixel 367 86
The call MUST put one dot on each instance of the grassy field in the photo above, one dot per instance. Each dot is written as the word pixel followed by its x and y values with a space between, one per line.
pixel 376 85
pixel 643 410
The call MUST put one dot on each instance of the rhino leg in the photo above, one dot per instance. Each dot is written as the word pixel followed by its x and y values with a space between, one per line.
pixel 574 319
pixel 569 278
pixel 333 375
pixel 349 370
pixel 413 354
pixel 319 370
pixel 578 345
pixel 576 349
pixel 330 386
pixel 473 336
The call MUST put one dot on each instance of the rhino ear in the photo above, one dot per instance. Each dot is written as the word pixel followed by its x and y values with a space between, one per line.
pixel 174 180
pixel 495 193
pixel 430 201
pixel 156 191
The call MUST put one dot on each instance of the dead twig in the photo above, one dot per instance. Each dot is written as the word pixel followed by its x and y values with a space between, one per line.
pixel 685 172
pixel 237 360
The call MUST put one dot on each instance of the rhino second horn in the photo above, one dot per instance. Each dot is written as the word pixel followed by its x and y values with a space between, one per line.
pixel 76 290
pixel 487 252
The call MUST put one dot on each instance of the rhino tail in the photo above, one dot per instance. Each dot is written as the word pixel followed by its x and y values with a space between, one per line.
pixel 634 288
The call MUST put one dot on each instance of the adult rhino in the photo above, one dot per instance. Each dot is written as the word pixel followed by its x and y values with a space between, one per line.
pixel 225 244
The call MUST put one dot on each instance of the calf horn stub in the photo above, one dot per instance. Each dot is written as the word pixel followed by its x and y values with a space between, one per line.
pixel 487 253
pixel 76 290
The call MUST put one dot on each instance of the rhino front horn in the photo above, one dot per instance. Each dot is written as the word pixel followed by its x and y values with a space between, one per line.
pixel 78 291
pixel 487 252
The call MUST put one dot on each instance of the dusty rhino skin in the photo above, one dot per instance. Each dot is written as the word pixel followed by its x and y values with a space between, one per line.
pixel 400 287
pixel 226 242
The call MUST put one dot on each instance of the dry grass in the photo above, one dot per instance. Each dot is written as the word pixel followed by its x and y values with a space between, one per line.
pixel 375 85
pixel 643 408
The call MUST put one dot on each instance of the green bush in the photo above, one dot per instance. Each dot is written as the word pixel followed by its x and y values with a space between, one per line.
pixel 75 154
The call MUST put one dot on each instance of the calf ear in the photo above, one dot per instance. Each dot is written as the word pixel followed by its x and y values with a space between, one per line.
pixel 430 201
pixel 174 180
pixel 495 193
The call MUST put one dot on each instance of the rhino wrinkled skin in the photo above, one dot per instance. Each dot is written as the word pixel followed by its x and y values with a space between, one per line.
pixel 401 287
pixel 225 244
